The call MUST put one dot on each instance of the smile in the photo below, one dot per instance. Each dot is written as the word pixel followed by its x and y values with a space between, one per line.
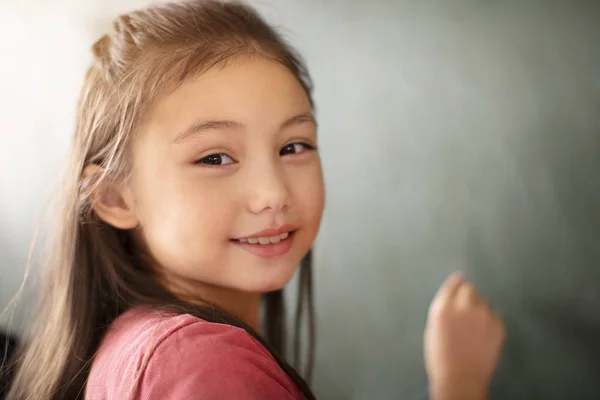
pixel 267 246
pixel 265 239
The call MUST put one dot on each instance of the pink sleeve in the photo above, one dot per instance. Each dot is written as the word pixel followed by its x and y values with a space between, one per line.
pixel 212 361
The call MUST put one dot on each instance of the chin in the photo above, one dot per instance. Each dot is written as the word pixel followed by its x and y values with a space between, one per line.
pixel 255 274
pixel 269 279
pixel 276 284
pixel 271 285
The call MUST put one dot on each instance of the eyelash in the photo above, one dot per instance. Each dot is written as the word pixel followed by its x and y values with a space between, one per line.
pixel 213 157
pixel 306 146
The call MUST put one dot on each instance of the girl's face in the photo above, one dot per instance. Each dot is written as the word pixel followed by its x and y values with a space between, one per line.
pixel 226 179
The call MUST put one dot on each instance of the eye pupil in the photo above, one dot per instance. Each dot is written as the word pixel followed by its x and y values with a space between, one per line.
pixel 213 159
pixel 288 149
pixel 291 148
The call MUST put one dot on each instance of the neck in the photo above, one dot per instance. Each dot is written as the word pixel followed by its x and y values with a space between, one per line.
pixel 243 305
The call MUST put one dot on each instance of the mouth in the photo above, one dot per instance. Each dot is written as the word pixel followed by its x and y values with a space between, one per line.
pixel 266 240
pixel 267 246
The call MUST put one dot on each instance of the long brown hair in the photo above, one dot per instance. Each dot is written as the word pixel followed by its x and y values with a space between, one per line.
pixel 95 273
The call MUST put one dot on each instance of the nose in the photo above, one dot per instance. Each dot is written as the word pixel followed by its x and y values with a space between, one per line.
pixel 268 189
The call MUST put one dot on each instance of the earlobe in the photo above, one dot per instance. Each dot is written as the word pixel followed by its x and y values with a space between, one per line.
pixel 112 202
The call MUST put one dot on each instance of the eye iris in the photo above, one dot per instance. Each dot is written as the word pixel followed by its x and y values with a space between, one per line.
pixel 289 149
pixel 214 159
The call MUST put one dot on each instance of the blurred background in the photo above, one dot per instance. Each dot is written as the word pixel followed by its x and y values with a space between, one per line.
pixel 455 134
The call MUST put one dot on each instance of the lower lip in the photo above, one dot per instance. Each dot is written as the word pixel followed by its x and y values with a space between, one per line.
pixel 270 250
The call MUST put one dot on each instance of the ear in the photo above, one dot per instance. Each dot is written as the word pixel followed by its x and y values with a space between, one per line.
pixel 113 203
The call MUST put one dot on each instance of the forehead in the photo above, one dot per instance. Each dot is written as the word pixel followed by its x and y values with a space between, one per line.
pixel 255 91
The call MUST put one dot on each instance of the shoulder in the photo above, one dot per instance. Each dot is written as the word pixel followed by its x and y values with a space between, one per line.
pixel 126 347
pixel 181 356
pixel 213 361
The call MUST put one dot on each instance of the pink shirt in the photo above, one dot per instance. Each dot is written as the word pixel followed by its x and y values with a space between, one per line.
pixel 177 357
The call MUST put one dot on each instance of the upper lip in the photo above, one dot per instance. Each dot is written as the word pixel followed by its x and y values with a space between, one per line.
pixel 271 232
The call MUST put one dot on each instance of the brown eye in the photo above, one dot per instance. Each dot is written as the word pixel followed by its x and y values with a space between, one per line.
pixel 295 148
pixel 215 160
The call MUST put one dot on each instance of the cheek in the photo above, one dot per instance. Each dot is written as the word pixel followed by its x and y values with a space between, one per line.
pixel 309 193
pixel 182 218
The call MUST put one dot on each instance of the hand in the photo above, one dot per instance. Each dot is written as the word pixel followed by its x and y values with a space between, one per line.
pixel 463 342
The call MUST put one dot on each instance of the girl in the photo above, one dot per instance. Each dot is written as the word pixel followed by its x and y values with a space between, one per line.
pixel 194 191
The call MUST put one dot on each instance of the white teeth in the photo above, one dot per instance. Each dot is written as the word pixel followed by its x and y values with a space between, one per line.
pixel 266 239
pixel 274 239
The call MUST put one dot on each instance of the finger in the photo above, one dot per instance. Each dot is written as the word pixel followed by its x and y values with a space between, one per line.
pixel 467 295
pixel 449 288
pixel 499 322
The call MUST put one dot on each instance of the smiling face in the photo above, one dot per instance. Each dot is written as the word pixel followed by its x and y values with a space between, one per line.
pixel 226 179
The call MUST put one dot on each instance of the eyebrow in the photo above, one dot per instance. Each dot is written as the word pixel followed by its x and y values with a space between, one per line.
pixel 203 126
